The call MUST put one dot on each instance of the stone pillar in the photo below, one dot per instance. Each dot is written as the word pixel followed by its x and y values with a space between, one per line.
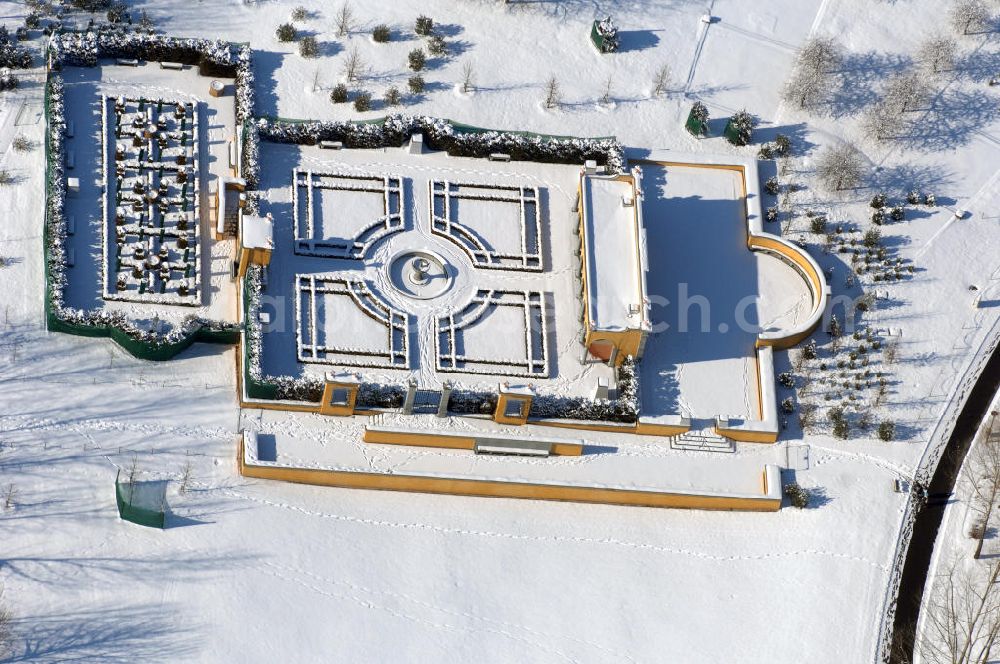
pixel 411 395
pixel 446 388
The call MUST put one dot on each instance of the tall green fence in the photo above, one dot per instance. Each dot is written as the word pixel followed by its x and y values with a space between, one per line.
pixel 144 516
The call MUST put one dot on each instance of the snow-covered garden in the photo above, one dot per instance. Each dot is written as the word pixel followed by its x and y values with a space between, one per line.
pixel 878 132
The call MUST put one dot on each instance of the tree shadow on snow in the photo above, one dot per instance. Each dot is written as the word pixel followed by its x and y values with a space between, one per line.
pixel 137 633
pixel 858 75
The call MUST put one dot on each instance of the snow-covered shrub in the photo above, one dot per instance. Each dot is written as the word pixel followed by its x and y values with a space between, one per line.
pixel 436 45
pixel 878 216
pixel 797 495
pixel 838 420
pixel 771 185
pixel 886 430
pixel 897 213
pixel 308 47
pixel 809 351
pixel 878 200
pixel 392 96
pixel 363 101
pixel 381 33
pixel 416 84
pixel 285 32
pixel 339 94
pixel 872 238
pixel 913 197
pixel 818 225
pixel 772 213
pixel 697 121
pixel 8 81
pixel 786 379
pixel 423 26
pixel 625 408
pixel 300 13
pixel 930 200
pixel 609 35
pixel 118 13
pixel 788 405
pixel 416 59
pixel 22 143
pixel 782 145
pixel 32 20
pixel 14 57
pixel 91 5
pixel 467 402
pixel 395 130
pixel 739 130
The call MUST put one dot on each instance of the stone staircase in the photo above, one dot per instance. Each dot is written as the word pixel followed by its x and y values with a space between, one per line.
pixel 704 440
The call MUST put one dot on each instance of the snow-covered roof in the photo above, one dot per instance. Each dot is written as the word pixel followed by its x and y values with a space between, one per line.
pixel 614 253
pixel 257 232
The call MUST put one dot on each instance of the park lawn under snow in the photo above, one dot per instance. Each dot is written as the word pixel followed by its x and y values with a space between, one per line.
pixel 252 571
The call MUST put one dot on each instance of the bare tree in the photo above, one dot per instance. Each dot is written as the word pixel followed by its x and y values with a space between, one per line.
pixel 881 121
pixel 553 95
pixel 839 167
pixel 661 80
pixel 468 77
pixel 6 625
pixel 804 87
pixel 962 615
pixel 982 471
pixel 891 353
pixel 353 65
pixel 9 496
pixel 908 91
pixel 820 54
pixel 937 53
pixel 344 20
pixel 608 84
pixel 186 471
pixel 969 15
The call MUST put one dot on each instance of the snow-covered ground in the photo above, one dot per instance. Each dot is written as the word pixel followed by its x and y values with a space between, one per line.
pixel 250 571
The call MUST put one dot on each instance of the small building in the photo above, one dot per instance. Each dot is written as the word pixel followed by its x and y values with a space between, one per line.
pixel 256 241
pixel 614 265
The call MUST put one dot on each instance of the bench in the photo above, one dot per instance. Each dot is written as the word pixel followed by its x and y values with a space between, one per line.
pixel 73 185
pixel 499 156
pixel 69 129
pixel 127 62
pixel 171 65
pixel 232 154
pixel 70 257
pixel 70 159
pixel 490 446
pixel 70 225
pixel 331 145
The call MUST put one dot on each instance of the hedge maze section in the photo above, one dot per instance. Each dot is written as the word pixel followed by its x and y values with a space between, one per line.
pixel 498 227
pixel 497 332
pixel 150 161
pixel 343 322
pixel 342 216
